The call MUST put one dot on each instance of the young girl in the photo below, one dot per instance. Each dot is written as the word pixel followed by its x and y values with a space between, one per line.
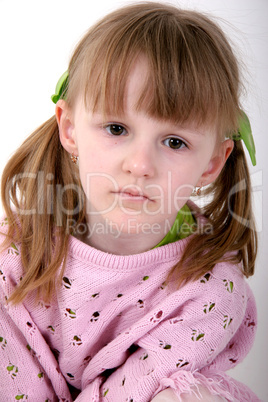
pixel 114 285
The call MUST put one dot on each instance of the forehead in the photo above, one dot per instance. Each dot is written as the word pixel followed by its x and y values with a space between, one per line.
pixel 138 96
pixel 192 74
pixel 136 82
pixel 158 89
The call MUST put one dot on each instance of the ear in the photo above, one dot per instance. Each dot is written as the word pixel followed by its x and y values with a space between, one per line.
pixel 216 163
pixel 66 127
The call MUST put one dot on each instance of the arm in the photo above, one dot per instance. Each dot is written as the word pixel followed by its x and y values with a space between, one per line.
pixel 168 395
pixel 28 369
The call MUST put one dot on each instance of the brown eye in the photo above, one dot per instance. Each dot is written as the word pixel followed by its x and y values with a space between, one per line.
pixel 174 143
pixel 115 129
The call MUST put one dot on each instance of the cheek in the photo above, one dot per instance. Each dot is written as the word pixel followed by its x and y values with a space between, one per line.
pixel 97 185
pixel 90 162
pixel 180 195
pixel 182 184
pixel 184 180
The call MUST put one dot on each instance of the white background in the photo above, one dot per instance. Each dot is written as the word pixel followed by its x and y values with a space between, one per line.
pixel 36 41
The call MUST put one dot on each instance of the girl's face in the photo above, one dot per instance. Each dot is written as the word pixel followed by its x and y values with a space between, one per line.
pixel 137 171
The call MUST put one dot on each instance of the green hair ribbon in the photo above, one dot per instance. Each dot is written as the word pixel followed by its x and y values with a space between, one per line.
pixel 61 87
pixel 243 133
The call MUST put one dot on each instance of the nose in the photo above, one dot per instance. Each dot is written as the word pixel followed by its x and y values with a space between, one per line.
pixel 140 161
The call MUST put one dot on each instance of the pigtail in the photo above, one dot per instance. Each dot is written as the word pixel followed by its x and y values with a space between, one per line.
pixel 232 216
pixel 228 232
pixel 40 192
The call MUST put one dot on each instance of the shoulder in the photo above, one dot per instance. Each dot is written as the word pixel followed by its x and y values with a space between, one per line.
pixel 226 272
pixel 219 302
pixel 225 283
pixel 222 296
pixel 228 279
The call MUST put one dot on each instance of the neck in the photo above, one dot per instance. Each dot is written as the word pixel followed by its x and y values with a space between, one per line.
pixel 103 236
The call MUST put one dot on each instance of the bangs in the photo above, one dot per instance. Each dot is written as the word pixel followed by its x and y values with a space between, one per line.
pixel 192 72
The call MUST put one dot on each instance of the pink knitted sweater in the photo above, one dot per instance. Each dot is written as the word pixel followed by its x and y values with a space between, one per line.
pixel 118 333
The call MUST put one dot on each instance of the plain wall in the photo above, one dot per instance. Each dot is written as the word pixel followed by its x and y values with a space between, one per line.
pixel 36 40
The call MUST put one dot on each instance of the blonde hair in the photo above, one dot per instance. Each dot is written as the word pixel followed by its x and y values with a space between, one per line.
pixel 193 76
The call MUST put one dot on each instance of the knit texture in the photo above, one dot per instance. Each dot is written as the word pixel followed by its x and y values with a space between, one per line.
pixel 118 332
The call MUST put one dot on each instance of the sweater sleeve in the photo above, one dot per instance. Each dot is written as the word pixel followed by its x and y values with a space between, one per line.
pixel 190 330
pixel 28 368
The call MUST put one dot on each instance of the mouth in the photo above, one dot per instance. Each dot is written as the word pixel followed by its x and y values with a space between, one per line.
pixel 133 195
